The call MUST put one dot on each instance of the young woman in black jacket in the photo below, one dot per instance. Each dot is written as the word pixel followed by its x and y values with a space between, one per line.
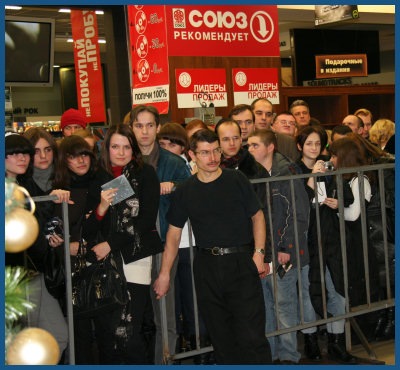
pixel 127 230
pixel 76 169
pixel 20 161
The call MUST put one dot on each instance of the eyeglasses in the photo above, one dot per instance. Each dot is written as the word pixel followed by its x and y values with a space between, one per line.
pixel 290 123
pixel 206 153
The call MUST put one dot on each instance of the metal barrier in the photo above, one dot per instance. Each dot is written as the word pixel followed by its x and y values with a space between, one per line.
pixel 67 259
pixel 350 313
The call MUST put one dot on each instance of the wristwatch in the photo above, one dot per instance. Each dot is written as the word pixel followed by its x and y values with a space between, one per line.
pixel 260 250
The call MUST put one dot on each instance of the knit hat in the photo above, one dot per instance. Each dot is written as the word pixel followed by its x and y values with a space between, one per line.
pixel 72 117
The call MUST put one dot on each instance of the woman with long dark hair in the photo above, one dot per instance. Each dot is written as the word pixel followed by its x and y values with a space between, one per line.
pixel 47 314
pixel 310 143
pixel 127 230
pixel 384 327
pixel 76 169
pixel 345 153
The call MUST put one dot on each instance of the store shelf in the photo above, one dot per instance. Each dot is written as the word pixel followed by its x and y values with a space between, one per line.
pixel 331 104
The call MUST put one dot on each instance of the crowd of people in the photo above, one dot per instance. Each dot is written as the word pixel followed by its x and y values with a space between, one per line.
pixel 256 246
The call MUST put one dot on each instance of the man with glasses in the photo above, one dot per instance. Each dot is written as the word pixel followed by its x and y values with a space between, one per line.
pixel 229 228
pixel 171 169
pixel 285 123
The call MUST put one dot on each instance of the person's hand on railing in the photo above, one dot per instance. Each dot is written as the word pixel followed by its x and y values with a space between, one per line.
pixel 62 196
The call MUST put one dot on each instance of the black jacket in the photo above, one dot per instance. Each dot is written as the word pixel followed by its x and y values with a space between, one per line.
pixel 375 221
pixel 282 211
pixel 43 212
pixel 96 231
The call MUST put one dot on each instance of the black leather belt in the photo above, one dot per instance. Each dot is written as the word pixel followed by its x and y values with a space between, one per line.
pixel 220 251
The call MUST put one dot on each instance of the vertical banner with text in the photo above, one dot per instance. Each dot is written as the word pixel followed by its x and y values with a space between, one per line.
pixel 149 56
pixel 253 83
pixel 89 79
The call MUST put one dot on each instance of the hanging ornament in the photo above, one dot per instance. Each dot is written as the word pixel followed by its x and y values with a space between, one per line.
pixel 14 195
pixel 19 194
pixel 21 226
pixel 33 346
pixel 21 230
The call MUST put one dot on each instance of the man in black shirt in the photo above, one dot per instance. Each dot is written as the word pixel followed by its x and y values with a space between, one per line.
pixel 229 228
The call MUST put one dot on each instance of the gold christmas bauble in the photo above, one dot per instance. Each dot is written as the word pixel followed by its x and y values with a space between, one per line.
pixel 21 230
pixel 33 346
pixel 18 194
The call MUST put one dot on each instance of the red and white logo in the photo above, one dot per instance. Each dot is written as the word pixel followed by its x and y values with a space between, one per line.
pixel 143 70
pixel 262 26
pixel 142 46
pixel 178 15
pixel 241 78
pixel 184 79
pixel 140 22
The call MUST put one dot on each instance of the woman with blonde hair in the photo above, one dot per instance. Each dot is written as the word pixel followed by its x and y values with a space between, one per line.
pixel 381 132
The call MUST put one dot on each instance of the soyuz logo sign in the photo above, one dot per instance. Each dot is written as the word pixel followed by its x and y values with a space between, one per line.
pixel 223 30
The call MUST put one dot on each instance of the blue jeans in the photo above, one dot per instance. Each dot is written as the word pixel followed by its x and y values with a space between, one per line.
pixel 308 309
pixel 336 305
pixel 284 347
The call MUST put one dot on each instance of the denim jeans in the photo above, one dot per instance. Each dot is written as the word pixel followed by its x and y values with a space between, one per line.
pixel 308 309
pixel 336 305
pixel 284 347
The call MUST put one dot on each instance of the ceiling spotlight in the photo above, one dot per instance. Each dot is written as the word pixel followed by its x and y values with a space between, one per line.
pixel 100 12
pixel 64 10
pixel 13 7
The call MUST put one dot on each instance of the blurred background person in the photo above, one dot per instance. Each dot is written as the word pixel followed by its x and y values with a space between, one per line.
pixel 382 130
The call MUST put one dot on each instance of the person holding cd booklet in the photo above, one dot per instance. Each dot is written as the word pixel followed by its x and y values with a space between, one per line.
pixel 126 229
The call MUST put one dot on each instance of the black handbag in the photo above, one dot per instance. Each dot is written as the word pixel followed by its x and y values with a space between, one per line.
pixel 54 272
pixel 98 287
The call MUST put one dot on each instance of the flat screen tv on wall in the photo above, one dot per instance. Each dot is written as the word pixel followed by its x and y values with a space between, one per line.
pixel 306 43
pixel 29 51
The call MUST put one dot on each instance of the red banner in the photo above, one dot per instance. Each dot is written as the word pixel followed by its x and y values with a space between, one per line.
pixel 253 83
pixel 223 30
pixel 149 55
pixel 201 87
pixel 89 79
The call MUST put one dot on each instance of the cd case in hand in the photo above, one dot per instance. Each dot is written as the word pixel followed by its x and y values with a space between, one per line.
pixel 124 188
